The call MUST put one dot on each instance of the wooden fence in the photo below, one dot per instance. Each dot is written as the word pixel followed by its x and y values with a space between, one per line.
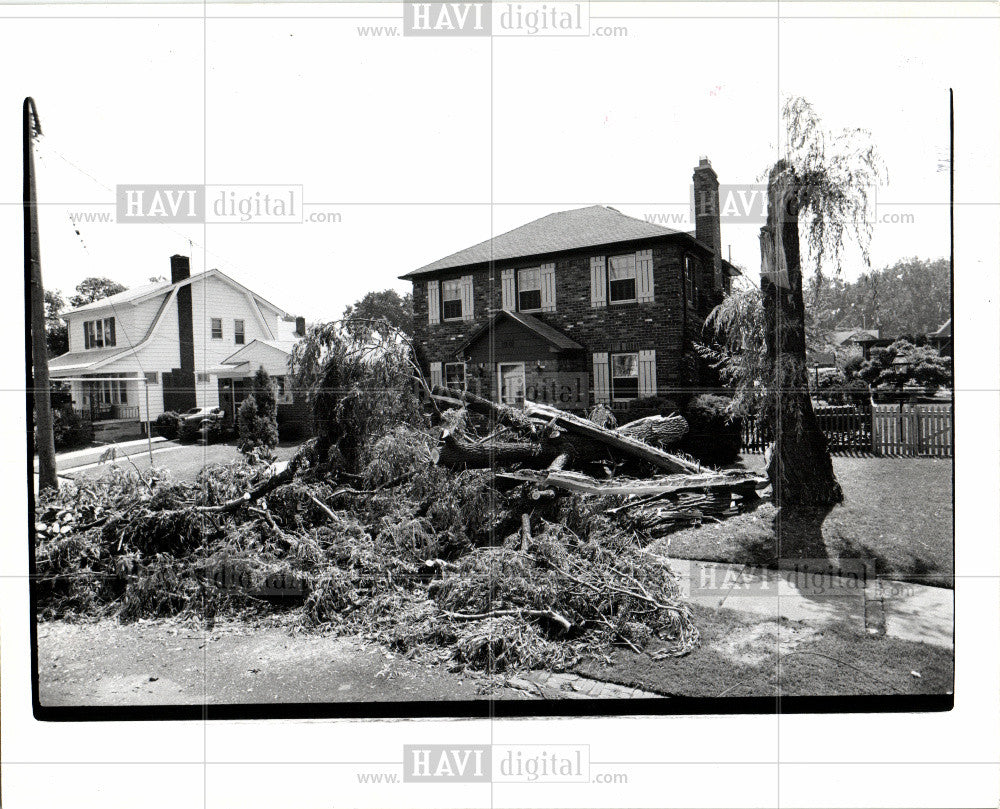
pixel 881 429
pixel 912 430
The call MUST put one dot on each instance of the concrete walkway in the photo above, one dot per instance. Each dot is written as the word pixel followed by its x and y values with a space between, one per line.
pixel 89 455
pixel 883 607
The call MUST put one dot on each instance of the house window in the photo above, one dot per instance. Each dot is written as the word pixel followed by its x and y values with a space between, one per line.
pixel 281 385
pixel 690 269
pixel 152 377
pixel 624 377
pixel 202 377
pixel 106 392
pixel 99 333
pixel 621 278
pixel 216 328
pixel 454 375
pixel 529 289
pixel 238 332
pixel 451 300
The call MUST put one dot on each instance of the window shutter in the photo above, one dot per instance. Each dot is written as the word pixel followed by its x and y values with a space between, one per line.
pixel 644 276
pixel 598 281
pixel 437 376
pixel 508 291
pixel 86 336
pixel 468 302
pixel 433 302
pixel 602 387
pixel 548 274
pixel 647 374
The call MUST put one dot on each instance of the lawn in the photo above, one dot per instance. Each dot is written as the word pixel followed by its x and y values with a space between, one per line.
pixel 744 656
pixel 184 461
pixel 897 513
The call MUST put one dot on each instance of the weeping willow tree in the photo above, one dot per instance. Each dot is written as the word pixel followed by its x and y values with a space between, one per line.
pixel 823 181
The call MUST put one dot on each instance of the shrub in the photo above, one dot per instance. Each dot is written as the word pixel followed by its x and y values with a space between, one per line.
pixel 257 419
pixel 188 430
pixel 714 436
pixel 648 406
pixel 923 366
pixel 167 424
pixel 70 429
pixel 851 364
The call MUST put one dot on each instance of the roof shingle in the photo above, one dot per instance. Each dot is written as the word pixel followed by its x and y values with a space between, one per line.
pixel 566 230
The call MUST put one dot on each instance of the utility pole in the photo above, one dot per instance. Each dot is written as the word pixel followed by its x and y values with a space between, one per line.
pixel 37 360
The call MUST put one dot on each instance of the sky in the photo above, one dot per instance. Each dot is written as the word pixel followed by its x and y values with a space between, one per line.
pixel 426 146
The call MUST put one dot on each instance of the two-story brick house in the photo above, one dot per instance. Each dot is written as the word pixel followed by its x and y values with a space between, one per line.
pixel 192 341
pixel 582 306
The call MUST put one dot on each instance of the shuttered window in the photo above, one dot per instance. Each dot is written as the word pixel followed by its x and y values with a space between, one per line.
pixel 644 276
pixel 647 374
pixel 529 289
pixel 436 374
pixel 451 299
pixel 508 290
pixel 548 278
pixel 621 278
pixel 624 377
pixel 433 302
pixel 602 388
pixel 598 282
pixel 468 301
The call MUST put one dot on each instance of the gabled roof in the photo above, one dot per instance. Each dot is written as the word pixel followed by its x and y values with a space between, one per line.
pixel 566 230
pixel 147 291
pixel 242 354
pixel 553 336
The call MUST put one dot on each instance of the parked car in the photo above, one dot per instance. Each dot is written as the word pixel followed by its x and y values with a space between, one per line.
pixel 197 415
pixel 201 423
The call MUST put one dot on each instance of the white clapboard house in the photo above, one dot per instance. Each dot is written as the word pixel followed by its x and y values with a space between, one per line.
pixel 192 341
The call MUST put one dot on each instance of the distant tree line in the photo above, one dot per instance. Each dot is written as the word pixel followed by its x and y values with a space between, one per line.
pixel 912 297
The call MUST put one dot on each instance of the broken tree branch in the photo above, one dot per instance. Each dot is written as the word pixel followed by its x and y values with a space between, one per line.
pixel 624 444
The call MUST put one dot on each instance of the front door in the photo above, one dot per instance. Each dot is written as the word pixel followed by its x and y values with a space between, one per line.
pixel 511 382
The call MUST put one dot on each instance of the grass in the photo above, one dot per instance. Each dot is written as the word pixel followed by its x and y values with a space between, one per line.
pixel 897 513
pixel 739 657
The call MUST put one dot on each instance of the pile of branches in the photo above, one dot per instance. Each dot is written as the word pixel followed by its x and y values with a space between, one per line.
pixel 657 490
pixel 448 528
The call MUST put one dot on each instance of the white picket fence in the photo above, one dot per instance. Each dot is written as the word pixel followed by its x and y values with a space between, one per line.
pixel 887 429
pixel 909 429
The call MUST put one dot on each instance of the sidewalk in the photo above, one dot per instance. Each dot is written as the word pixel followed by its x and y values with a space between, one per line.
pixel 81 457
pixel 911 612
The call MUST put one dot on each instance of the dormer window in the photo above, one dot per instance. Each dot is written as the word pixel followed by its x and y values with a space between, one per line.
pixel 99 333
pixel 621 278
pixel 529 289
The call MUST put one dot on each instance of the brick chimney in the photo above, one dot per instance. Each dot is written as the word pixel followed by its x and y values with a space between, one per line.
pixel 707 228
pixel 300 327
pixel 180 268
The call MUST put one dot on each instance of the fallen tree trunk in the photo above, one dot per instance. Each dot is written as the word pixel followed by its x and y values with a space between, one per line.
pixel 673 484
pixel 657 431
pixel 624 444
pixel 458 452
